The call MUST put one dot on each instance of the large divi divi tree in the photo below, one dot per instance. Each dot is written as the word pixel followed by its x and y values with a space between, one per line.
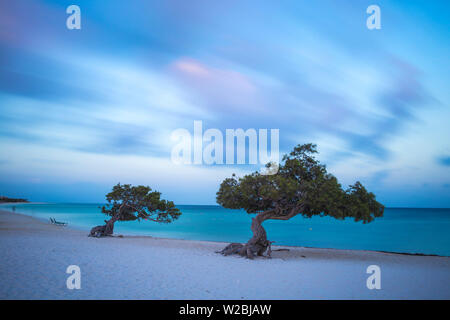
pixel 302 186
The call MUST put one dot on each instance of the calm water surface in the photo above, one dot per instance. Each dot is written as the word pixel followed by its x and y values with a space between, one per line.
pixel 400 230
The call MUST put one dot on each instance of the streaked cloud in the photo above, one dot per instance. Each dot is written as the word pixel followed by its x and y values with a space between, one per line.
pixel 116 89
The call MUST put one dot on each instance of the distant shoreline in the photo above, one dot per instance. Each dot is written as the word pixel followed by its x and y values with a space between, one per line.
pixel 12 200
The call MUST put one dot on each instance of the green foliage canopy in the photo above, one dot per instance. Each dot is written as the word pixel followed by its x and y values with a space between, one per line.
pixel 301 186
pixel 126 203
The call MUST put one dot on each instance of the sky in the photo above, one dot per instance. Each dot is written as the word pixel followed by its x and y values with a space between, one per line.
pixel 81 110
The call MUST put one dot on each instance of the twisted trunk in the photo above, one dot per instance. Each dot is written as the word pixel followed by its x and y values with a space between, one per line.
pixel 108 228
pixel 105 230
pixel 258 244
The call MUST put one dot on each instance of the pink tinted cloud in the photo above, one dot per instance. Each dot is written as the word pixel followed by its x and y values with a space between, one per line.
pixel 218 86
pixel 192 68
pixel 22 23
pixel 11 30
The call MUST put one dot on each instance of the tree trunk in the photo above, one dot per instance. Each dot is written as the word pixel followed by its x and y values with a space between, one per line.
pixel 106 230
pixel 257 245
pixel 109 229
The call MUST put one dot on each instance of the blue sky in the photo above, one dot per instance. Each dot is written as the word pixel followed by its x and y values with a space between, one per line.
pixel 81 110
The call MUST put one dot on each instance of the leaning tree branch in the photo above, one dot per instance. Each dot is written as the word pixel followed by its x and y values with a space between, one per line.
pixel 143 212
pixel 292 213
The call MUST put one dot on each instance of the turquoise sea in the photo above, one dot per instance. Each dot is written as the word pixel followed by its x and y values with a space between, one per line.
pixel 407 230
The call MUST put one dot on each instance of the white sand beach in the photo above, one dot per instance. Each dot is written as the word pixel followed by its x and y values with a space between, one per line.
pixel 36 254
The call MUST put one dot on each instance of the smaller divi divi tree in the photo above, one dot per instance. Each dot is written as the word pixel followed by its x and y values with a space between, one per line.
pixel 128 203
pixel 301 186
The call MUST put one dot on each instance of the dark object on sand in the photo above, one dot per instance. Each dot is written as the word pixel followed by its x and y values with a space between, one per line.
pixel 58 223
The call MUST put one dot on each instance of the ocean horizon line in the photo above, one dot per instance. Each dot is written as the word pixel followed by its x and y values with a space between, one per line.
pixel 184 204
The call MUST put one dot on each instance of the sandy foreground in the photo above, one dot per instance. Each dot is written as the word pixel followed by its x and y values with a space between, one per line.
pixel 36 254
